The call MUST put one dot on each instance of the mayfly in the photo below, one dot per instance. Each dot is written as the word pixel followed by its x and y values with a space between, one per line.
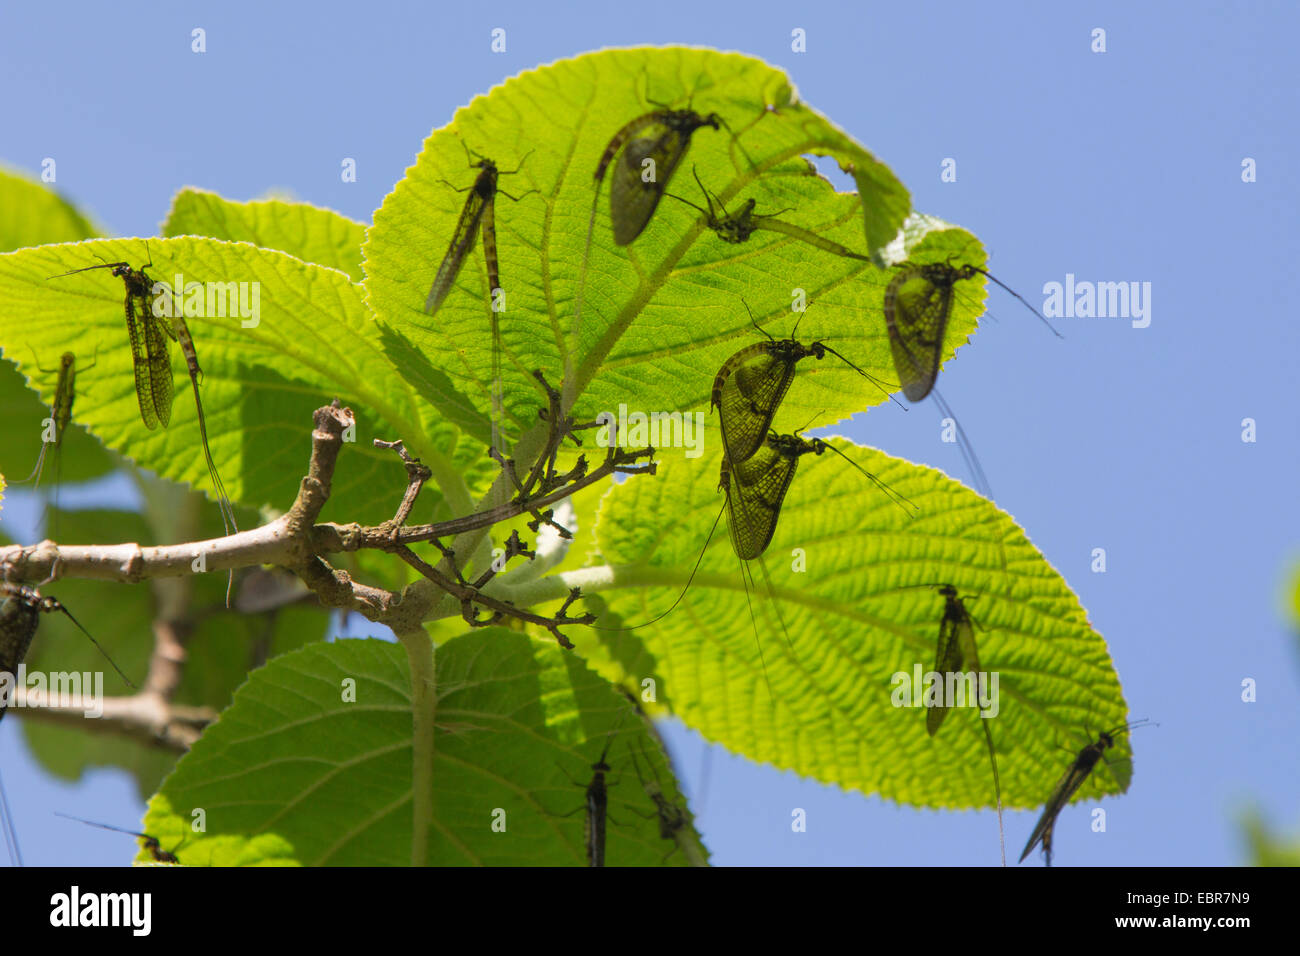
pixel 65 389
pixel 653 146
pixel 738 227
pixel 672 818
pixel 1065 788
pixel 597 805
pixel 750 386
pixel 151 361
pixel 150 842
pixel 957 654
pixel 56 425
pixel 918 302
pixel 756 489
pixel 956 651
pixel 19 616
pixel 478 215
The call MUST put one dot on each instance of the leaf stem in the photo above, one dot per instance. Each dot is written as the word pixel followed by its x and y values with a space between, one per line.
pixel 424 708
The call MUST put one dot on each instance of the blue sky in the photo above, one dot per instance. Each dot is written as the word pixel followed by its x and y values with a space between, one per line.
pixel 1116 166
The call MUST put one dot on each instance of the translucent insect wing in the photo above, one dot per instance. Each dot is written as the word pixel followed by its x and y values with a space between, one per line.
pixel 948 660
pixel 747 393
pixel 916 317
pixel 755 493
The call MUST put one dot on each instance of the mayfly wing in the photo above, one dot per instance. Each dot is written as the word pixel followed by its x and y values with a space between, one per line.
pixel 948 660
pixel 756 489
pixel 918 301
pixel 957 653
pixel 60 415
pixel 489 229
pixel 149 359
pixel 64 393
pixel 146 342
pixel 772 224
pixel 19 616
pixel 153 382
pixel 181 331
pixel 748 390
pixel 1082 765
pixel 1065 787
pixel 478 216
pixel 653 146
pixel 462 240
pixel 1047 835
pixel 752 383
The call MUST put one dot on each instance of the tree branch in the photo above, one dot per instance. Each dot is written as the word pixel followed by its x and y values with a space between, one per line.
pixel 145 716
pixel 294 541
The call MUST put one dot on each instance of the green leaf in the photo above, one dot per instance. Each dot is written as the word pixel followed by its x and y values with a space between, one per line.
pixel 81 456
pixel 1267 846
pixel 861 610
pixel 1294 609
pixel 34 214
pixel 295 774
pixel 313 342
pixel 220 645
pixel 120 619
pixel 309 232
pixel 658 317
